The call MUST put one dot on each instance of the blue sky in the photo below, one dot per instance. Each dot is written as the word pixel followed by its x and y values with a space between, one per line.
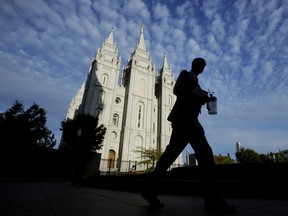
pixel 46 48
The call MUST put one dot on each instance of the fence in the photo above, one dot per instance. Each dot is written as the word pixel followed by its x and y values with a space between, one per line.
pixel 111 167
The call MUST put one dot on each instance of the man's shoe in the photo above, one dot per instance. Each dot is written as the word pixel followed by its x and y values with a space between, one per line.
pixel 219 206
pixel 152 199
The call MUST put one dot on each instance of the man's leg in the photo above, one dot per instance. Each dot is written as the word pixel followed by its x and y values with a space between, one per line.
pixel 177 143
pixel 204 155
pixel 205 158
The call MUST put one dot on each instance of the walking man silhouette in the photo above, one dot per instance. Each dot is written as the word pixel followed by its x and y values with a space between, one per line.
pixel 187 129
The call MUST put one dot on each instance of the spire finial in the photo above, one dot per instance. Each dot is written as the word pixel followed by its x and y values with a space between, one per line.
pixel 110 38
pixel 165 63
pixel 141 42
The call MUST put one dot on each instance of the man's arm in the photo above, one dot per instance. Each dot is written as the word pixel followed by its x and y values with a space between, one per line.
pixel 187 85
pixel 182 84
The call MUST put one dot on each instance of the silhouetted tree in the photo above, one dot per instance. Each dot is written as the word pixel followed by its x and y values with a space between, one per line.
pixel 23 135
pixel 248 156
pixel 22 129
pixel 83 130
pixel 82 137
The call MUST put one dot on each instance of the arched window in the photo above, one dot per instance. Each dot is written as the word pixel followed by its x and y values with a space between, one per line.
pixel 105 80
pixel 170 100
pixel 115 120
pixel 111 159
pixel 140 115
pixel 98 113
pixel 101 97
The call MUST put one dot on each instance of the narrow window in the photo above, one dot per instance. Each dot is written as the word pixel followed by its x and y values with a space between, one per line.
pixel 115 120
pixel 98 113
pixel 105 80
pixel 101 97
pixel 170 100
pixel 140 116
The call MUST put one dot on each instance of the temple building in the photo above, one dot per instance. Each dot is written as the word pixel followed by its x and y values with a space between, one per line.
pixel 133 104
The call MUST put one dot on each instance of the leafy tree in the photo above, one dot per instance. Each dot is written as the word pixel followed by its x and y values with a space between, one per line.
pixel 26 142
pixel 25 128
pixel 248 156
pixel 82 133
pixel 267 158
pixel 223 160
pixel 280 157
pixel 82 137
pixel 150 156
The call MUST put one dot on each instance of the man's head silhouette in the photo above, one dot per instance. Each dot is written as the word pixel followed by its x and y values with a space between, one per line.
pixel 198 65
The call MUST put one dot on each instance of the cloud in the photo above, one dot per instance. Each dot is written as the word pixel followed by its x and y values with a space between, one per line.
pixel 106 10
pixel 182 9
pixel 212 42
pixel 160 12
pixel 210 8
pixel 136 9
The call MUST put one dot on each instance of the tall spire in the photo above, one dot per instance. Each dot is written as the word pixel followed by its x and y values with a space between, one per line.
pixel 141 42
pixel 110 38
pixel 165 67
pixel 108 53
pixel 165 63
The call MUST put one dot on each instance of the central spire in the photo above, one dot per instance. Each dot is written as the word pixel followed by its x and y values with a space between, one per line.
pixel 110 38
pixel 141 42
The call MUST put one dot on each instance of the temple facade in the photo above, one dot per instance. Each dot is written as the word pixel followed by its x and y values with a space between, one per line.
pixel 133 104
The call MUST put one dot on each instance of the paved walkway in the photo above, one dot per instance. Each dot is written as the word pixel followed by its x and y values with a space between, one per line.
pixel 63 199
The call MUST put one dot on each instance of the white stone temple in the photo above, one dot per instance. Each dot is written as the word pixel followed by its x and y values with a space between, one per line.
pixel 132 104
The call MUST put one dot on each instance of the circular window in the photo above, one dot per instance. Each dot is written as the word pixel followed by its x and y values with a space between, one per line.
pixel 113 135
pixel 118 100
